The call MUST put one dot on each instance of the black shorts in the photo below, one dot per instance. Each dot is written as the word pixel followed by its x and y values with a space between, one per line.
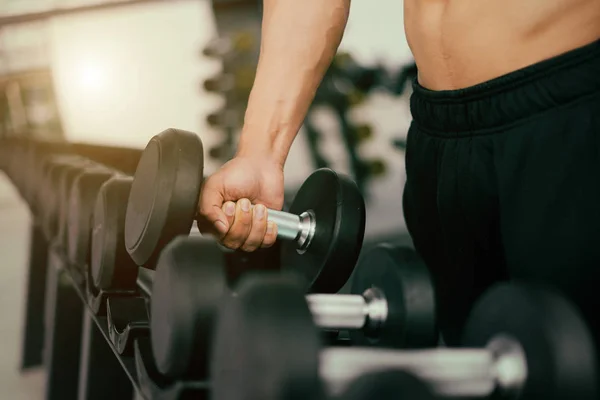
pixel 503 181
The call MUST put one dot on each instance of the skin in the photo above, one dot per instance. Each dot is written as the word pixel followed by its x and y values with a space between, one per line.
pixel 456 44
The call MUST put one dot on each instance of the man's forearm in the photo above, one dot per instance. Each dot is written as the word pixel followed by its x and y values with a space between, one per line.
pixel 299 40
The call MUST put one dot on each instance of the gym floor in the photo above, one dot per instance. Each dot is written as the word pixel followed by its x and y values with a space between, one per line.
pixel 14 240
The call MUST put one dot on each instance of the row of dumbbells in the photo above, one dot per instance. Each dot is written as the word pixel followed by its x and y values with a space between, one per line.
pixel 261 338
pixel 84 208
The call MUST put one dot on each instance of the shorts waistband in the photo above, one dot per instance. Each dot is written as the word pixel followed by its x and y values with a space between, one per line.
pixel 506 99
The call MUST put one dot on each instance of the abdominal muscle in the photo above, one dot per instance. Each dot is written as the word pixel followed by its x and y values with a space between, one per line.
pixel 460 43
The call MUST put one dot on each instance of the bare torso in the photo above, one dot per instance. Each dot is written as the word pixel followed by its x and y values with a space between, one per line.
pixel 460 43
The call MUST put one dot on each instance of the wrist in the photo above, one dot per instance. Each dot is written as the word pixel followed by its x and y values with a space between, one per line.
pixel 263 151
pixel 267 146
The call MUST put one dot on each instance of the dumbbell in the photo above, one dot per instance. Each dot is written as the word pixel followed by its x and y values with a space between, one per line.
pixel 111 268
pixel 392 305
pixel 45 207
pixel 45 185
pixel 65 186
pixel 56 195
pixel 322 233
pixel 110 271
pixel 82 200
pixel 521 341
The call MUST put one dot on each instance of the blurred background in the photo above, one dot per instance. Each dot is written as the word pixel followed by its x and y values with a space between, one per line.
pixel 117 72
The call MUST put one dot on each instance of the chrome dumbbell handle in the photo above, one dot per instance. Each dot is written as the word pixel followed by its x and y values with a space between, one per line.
pixel 467 373
pixel 297 228
pixel 349 311
pixel 330 311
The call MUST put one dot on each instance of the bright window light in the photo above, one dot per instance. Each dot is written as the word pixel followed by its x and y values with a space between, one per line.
pixel 92 77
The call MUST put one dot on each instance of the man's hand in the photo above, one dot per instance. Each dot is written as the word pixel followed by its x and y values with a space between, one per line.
pixel 234 200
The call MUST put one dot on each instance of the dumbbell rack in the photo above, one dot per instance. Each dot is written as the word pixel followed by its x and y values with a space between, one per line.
pixel 68 325
pixel 62 332
pixel 99 371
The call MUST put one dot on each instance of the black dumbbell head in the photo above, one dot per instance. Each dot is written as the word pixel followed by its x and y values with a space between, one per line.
pixel 339 211
pixel 111 267
pixel 68 180
pixel 559 349
pixel 403 279
pixel 81 208
pixel 58 227
pixel 266 345
pixel 164 195
pixel 188 287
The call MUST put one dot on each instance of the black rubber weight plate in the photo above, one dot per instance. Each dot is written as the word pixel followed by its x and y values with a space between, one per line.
pixel 188 287
pixel 339 210
pixel 66 184
pixel 53 196
pixel 81 209
pixel 561 358
pixel 403 278
pixel 164 195
pixel 110 265
pixel 266 344
pixel 44 186
pixel 388 385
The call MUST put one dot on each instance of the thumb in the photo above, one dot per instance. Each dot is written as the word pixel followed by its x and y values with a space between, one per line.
pixel 212 219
